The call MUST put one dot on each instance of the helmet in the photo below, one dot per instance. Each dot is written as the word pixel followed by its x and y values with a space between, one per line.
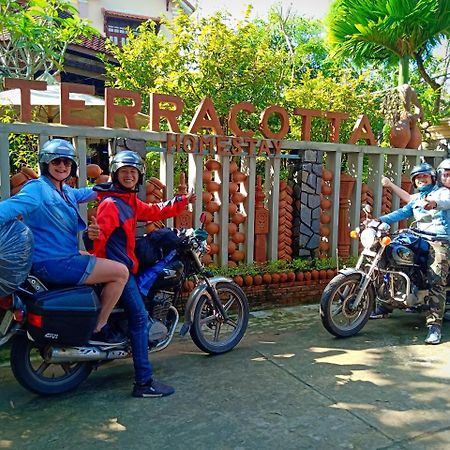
pixel 127 158
pixel 423 168
pixel 57 148
pixel 442 167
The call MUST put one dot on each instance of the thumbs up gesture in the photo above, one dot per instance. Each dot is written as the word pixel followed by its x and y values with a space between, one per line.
pixel 93 230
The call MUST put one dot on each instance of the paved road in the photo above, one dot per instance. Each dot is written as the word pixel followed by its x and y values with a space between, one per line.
pixel 288 385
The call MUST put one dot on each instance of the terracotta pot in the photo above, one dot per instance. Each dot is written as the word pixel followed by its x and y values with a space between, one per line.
pixel 325 203
pixel 232 228
pixel 231 247
pixel 238 218
pixel 207 259
pixel 212 228
pixel 327 175
pixel 29 172
pixel 400 134
pixel 232 264
pixel 314 275
pixel 283 277
pixel 291 276
pixel 325 218
pixel 232 209
pixel 238 237
pixel 207 176
pixel 267 278
pixel 102 179
pixel 324 246
pixel 326 190
pixel 322 274
pixel 257 280
pixel 156 182
pixel 299 276
pixel 93 171
pixel 149 188
pixel 238 197
pixel 212 164
pixel 207 196
pixel 238 280
pixel 239 177
pixel 18 179
pixel 330 273
pixel 233 187
pixel 152 198
pixel 237 256
pixel 275 278
pixel 233 166
pixel 307 276
pixel 324 231
pixel 212 207
pixel 214 249
pixel 416 137
pixel 248 280
pixel 212 186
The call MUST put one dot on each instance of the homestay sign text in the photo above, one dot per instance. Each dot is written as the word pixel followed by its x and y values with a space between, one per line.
pixel 170 108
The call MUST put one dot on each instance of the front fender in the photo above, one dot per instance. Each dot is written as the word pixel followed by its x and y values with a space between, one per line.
pixel 194 297
pixel 351 270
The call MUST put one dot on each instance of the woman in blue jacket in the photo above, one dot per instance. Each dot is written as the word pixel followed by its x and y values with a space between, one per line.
pixel 50 209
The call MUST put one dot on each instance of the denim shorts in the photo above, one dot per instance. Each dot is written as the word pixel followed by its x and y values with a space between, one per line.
pixel 68 271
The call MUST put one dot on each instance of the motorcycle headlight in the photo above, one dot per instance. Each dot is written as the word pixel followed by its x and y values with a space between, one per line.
pixel 368 237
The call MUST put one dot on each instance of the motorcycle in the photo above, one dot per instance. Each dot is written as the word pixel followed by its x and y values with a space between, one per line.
pixel 391 270
pixel 49 328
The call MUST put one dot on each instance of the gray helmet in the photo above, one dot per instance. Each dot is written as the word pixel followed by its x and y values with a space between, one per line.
pixel 423 168
pixel 127 158
pixel 54 149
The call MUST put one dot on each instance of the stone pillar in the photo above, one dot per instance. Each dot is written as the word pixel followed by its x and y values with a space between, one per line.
pixel 306 181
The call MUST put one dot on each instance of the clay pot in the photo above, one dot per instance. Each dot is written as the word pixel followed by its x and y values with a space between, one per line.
pixel 324 246
pixel 206 196
pixel 248 280
pixel 325 218
pixel 238 237
pixel 232 229
pixel 238 280
pixel 212 186
pixel 322 274
pixel 208 217
pixel 283 277
pixel 212 207
pixel 238 197
pixel 233 187
pixel 299 276
pixel 93 171
pixel 156 182
pixel 238 218
pixel 267 278
pixel 232 264
pixel 325 203
pixel 327 175
pixel 102 179
pixel 291 276
pixel 212 228
pixel 18 179
pixel 231 247
pixel 330 273
pixel 29 172
pixel 275 278
pixel 207 176
pixel 207 259
pixel 233 167
pixel 237 256
pixel 314 275
pixel 152 198
pixel 307 277
pixel 326 190
pixel 324 231
pixel 416 137
pixel 213 249
pixel 232 209
pixel 257 280
pixel 400 134
pixel 239 177
pixel 212 164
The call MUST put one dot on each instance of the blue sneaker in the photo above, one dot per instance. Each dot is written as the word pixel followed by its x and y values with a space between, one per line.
pixel 434 335
pixel 380 312
pixel 152 388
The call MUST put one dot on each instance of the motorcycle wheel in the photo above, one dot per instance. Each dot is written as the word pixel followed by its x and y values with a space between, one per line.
pixel 336 313
pixel 209 331
pixel 32 371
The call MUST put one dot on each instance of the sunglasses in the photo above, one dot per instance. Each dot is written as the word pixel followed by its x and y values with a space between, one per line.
pixel 57 161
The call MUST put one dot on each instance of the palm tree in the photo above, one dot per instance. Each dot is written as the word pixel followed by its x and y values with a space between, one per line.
pixel 389 30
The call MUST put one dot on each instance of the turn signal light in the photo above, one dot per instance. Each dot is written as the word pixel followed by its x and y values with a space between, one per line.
pixel 354 234
pixel 386 241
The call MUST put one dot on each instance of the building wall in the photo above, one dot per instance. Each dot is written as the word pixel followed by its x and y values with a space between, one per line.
pixel 93 9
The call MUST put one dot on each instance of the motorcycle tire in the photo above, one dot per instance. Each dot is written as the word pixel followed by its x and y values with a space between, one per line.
pixel 209 331
pixel 336 313
pixel 32 371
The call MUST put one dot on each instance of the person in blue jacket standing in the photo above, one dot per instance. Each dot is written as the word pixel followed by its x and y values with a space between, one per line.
pixel 49 208
pixel 436 221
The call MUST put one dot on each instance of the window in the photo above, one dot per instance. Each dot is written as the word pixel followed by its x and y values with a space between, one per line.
pixel 117 28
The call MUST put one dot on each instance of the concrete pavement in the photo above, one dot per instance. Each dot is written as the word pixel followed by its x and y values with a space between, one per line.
pixel 288 385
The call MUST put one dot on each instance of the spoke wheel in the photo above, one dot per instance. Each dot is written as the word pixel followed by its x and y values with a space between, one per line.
pixel 210 331
pixel 37 375
pixel 337 311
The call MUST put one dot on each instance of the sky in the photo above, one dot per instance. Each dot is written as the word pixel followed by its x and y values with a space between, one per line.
pixel 308 8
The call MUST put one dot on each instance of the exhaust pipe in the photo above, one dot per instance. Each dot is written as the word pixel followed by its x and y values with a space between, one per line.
pixel 82 354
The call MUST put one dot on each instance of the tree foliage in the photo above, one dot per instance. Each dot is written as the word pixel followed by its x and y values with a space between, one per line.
pixel 34 36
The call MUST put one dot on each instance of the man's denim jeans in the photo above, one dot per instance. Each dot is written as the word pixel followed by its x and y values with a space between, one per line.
pixel 133 304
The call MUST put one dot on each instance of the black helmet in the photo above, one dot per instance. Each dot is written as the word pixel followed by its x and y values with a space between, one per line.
pixel 57 148
pixel 127 158
pixel 423 168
